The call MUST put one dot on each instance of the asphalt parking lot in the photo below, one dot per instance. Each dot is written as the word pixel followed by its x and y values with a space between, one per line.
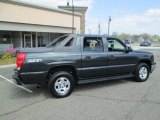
pixel 110 100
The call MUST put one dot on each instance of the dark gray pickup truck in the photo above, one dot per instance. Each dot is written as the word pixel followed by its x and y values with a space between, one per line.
pixel 76 59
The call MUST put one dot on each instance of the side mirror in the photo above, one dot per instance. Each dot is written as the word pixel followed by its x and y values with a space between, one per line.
pixel 128 49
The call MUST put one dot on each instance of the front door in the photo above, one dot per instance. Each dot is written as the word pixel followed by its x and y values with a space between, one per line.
pixel 28 40
pixel 119 61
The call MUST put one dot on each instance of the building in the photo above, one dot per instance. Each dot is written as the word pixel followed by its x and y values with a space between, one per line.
pixel 30 25
pixel 78 9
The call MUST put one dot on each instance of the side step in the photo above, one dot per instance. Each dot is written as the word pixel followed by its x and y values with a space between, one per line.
pixel 91 80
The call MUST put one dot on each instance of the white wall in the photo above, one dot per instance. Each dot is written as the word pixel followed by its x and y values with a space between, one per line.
pixel 29 15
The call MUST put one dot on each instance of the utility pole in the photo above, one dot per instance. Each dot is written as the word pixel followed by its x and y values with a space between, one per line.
pixel 89 31
pixel 72 17
pixel 68 3
pixel 99 29
pixel 109 20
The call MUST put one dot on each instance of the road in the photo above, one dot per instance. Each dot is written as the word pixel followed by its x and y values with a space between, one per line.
pixel 111 100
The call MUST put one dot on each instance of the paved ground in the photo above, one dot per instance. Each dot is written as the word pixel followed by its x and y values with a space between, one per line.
pixel 111 100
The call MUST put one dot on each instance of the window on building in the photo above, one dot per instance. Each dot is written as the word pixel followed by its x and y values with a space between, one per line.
pixel 40 41
pixel 5 38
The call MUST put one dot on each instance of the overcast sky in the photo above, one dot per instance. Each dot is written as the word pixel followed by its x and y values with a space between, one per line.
pixel 135 17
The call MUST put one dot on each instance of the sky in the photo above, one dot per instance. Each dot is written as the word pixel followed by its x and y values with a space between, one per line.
pixel 133 17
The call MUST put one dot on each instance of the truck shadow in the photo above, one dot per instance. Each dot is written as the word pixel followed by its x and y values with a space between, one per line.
pixel 98 85
pixel 37 92
pixel 43 92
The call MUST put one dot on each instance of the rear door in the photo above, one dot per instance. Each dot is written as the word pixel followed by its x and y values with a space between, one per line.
pixel 119 61
pixel 93 57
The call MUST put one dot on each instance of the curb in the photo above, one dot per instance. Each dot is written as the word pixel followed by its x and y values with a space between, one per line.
pixel 7 66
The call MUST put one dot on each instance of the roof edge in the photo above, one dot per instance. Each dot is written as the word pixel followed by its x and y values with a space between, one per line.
pixel 43 7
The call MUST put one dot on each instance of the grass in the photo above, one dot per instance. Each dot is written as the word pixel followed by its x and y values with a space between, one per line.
pixel 8 61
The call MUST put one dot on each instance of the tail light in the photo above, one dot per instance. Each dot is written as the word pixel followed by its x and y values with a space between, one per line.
pixel 20 59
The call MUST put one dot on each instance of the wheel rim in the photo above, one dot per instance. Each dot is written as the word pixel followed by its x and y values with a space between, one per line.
pixel 62 85
pixel 143 73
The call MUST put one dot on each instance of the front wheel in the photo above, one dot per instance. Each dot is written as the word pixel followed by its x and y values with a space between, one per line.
pixel 61 84
pixel 142 72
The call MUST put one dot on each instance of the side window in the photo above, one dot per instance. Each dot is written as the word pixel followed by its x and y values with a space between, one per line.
pixel 69 43
pixel 57 41
pixel 115 45
pixel 93 44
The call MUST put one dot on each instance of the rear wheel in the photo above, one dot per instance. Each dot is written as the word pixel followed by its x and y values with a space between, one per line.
pixel 61 84
pixel 142 72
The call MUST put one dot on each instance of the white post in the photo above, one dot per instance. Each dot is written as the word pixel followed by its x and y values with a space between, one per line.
pixel 36 40
pixel 31 41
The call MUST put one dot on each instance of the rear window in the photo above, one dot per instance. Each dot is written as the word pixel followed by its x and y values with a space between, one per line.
pixel 57 41
pixel 69 43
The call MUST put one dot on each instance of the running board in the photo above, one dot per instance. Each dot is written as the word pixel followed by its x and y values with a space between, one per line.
pixel 91 80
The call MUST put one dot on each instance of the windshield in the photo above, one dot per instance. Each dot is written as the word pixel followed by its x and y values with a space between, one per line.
pixel 57 41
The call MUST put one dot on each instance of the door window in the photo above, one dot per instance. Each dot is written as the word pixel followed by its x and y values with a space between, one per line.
pixel 93 44
pixel 115 45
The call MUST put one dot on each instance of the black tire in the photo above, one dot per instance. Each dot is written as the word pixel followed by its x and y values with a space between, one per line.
pixel 142 77
pixel 55 82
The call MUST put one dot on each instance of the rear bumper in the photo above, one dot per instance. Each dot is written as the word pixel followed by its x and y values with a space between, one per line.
pixel 153 66
pixel 30 77
pixel 15 76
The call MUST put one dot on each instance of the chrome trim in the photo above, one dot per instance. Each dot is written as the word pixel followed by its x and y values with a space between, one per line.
pixel 105 67
pixel 27 73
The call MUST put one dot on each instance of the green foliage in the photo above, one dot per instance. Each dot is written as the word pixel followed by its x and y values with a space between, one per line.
pixel 123 36
pixel 137 37
pixel 8 61
pixel 7 58
pixel 7 55
pixel 146 36
pixel 156 38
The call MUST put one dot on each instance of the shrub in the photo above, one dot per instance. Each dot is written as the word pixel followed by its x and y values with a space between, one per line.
pixel 7 61
pixel 8 56
pixel 9 53
pixel 1 55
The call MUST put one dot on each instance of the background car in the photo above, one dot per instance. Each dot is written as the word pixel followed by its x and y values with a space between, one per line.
pixel 145 43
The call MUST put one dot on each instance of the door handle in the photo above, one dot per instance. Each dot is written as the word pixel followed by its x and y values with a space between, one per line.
pixel 111 57
pixel 88 57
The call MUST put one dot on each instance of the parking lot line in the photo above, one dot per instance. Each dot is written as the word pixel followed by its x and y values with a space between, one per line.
pixel 22 87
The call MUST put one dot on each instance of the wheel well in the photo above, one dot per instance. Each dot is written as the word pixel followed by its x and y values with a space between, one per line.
pixel 147 62
pixel 66 68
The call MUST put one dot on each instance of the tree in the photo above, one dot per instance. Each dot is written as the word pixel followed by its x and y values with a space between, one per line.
pixel 136 37
pixel 146 36
pixel 123 36
pixel 114 34
pixel 156 38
